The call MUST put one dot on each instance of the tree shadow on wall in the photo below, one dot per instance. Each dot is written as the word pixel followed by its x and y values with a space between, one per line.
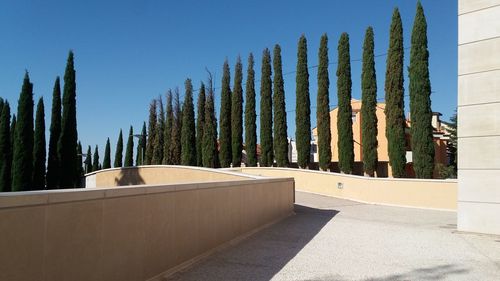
pixel 265 253
pixel 129 176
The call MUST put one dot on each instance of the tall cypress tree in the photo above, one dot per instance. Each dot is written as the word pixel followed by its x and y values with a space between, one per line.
pixel 266 112
pixel 88 161
pixel 22 164
pixel 141 147
pixel 280 127
pixel 5 149
pixel 237 114
pixel 394 100
pixel 151 132
pixel 53 165
pixel 12 135
pixel 39 152
pixel 344 114
pixel 210 151
pixel 175 143
pixel 188 134
pixel 200 124
pixel 225 119
pixel 119 151
pixel 160 134
pixel 129 153
pixel 80 167
pixel 106 163
pixel 369 119
pixel 323 107
pixel 95 165
pixel 420 99
pixel 168 130
pixel 250 116
pixel 69 135
pixel 303 107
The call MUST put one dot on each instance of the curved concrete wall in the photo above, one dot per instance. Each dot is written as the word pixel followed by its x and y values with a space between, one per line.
pixel 158 174
pixel 130 233
pixel 432 194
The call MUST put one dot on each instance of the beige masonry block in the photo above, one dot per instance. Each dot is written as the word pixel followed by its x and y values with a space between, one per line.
pixel 479 88
pixel 478 57
pixel 478 217
pixel 480 25
pixel 478 153
pixel 479 185
pixel 467 6
pixel 479 120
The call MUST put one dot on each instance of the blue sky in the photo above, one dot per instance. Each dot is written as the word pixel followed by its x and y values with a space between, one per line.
pixel 128 52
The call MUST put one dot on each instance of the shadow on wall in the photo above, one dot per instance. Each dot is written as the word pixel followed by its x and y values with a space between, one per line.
pixel 264 254
pixel 129 177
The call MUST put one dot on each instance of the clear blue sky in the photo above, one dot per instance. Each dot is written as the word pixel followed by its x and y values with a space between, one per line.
pixel 128 52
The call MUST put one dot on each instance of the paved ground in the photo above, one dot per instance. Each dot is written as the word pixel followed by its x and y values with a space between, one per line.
pixel 333 239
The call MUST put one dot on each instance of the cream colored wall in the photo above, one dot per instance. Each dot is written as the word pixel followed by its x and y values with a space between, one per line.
pixel 157 175
pixel 433 194
pixel 129 233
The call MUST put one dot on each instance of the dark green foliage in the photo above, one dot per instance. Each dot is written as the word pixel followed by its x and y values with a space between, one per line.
pixel 344 114
pixel 303 107
pixel 175 142
pixel 369 119
pixel 39 152
pixel 237 114
pixel 80 167
pixel 22 164
pixel 394 99
pixel 13 132
pixel 250 116
pixel 53 165
pixel 453 143
pixel 210 151
pixel 188 133
pixel 200 125
pixel 266 112
pixel 106 163
pixel 280 126
pixel 69 136
pixel 323 107
pixel 119 151
pixel 422 143
pixel 141 147
pixel 5 149
pixel 95 165
pixel 168 130
pixel 150 145
pixel 225 119
pixel 88 161
pixel 129 153
pixel 159 135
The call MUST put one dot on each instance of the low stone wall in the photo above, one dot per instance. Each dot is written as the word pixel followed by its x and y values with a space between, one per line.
pixel 432 194
pixel 130 233
pixel 158 174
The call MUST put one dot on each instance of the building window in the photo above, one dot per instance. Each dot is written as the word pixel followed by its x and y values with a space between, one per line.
pixel 353 116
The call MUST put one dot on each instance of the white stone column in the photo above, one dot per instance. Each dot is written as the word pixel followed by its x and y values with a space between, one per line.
pixel 479 116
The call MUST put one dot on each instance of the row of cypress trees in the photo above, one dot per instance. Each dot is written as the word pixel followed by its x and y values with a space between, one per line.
pixel 23 153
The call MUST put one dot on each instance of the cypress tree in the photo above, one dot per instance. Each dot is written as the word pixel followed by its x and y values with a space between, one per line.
pixel 5 149
pixel 266 112
pixel 303 107
pixel 344 114
pixel 225 119
pixel 151 132
pixel 200 124
pixel 53 165
pixel 80 168
pixel 250 116
pixel 69 136
pixel 394 102
pixel 22 164
pixel 420 99
pixel 141 147
pixel 95 164
pixel 323 107
pixel 369 119
pixel 39 153
pixel 119 151
pixel 175 143
pixel 160 133
pixel 88 161
pixel 168 130
pixel 210 157
pixel 106 163
pixel 188 134
pixel 237 114
pixel 280 127
pixel 2 103
pixel 13 133
pixel 129 153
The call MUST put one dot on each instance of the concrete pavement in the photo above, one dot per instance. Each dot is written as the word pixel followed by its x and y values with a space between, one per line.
pixel 335 239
